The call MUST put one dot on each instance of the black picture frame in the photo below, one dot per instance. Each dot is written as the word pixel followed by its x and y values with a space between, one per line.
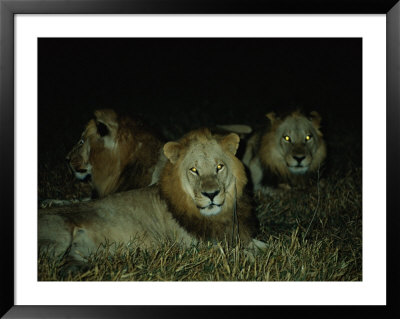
pixel 8 10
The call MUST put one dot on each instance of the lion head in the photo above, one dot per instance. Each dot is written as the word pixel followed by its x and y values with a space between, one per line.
pixel 293 146
pixel 114 153
pixel 203 184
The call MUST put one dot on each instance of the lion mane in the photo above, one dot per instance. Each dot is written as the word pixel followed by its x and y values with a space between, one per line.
pixel 200 197
pixel 116 153
pixel 180 188
pixel 288 152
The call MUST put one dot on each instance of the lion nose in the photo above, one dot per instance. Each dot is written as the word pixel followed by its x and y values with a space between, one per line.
pixel 299 159
pixel 210 195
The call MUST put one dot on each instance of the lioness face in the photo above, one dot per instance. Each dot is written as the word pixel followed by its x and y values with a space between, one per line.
pixel 299 141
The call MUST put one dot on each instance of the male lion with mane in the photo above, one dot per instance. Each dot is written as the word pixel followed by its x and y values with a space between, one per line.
pixel 287 152
pixel 116 153
pixel 199 198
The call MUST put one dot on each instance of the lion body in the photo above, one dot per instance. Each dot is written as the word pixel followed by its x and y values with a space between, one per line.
pixel 138 217
pixel 287 153
pixel 180 208
pixel 116 154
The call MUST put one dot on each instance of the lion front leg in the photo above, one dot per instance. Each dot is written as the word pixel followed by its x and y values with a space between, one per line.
pixel 54 235
pixel 254 248
pixel 60 240
pixel 78 252
pixel 256 173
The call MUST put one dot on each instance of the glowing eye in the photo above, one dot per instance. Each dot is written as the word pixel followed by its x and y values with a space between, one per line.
pixel 81 142
pixel 308 137
pixel 286 138
pixel 194 169
pixel 219 167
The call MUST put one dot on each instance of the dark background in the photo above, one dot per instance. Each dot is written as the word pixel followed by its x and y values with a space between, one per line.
pixel 179 84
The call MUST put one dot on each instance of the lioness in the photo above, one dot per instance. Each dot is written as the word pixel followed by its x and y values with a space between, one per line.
pixel 116 153
pixel 199 198
pixel 287 152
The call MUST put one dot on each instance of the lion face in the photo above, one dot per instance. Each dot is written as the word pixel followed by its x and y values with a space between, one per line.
pixel 294 145
pixel 205 170
pixel 97 144
pixel 206 177
pixel 101 153
pixel 78 159
pixel 298 143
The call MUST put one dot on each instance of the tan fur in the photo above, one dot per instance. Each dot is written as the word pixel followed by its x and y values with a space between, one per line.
pixel 236 128
pixel 288 162
pixel 167 211
pixel 205 151
pixel 124 158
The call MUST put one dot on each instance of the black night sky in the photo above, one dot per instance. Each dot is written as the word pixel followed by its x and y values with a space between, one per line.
pixel 180 84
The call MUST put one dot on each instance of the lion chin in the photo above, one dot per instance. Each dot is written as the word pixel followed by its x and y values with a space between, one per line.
pixel 83 175
pixel 211 210
pixel 298 170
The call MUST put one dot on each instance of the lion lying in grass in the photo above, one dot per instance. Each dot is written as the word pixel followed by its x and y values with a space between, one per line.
pixel 287 153
pixel 199 198
pixel 116 153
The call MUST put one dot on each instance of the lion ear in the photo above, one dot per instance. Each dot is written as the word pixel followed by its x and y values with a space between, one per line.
pixel 315 119
pixel 106 122
pixel 231 142
pixel 102 129
pixel 271 116
pixel 171 151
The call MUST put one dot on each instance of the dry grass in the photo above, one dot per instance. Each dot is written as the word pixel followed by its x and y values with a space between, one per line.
pixel 289 258
pixel 312 235
pixel 329 251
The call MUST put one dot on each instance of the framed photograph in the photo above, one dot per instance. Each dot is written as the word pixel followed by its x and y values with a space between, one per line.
pixel 101 99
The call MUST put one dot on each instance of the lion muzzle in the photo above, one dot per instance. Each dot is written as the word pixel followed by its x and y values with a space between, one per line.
pixel 211 195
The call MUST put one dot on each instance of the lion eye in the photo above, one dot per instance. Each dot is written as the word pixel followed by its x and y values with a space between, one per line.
pixel 194 170
pixel 219 167
pixel 81 142
pixel 286 138
pixel 308 137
